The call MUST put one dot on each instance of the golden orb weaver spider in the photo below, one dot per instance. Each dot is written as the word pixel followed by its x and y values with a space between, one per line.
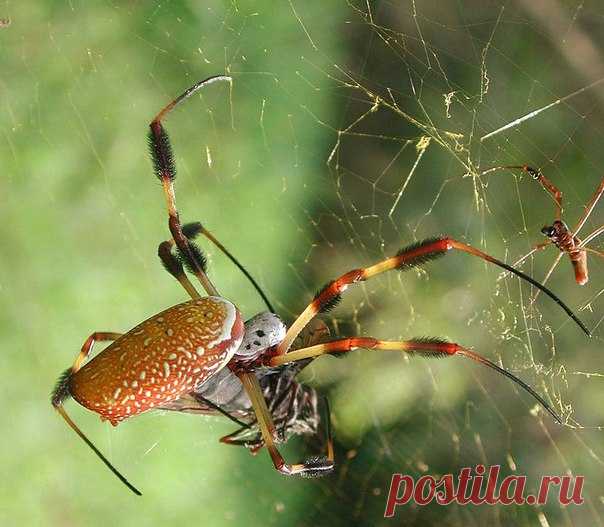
pixel 186 357
pixel 558 234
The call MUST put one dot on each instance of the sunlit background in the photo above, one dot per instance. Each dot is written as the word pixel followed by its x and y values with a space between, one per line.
pixel 351 130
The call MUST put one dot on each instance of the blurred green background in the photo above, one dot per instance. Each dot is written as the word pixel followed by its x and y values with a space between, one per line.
pixel 347 134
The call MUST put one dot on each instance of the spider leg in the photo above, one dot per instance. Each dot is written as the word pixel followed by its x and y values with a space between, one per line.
pixel 175 268
pixel 590 207
pixel 409 257
pixel 592 236
pixel 191 230
pixel 328 433
pixel 61 392
pixel 97 336
pixel 536 174
pixel 232 439
pixel 316 466
pixel 581 270
pixel 172 264
pixel 165 169
pixel 195 403
pixel 520 261
pixel 536 248
pixel 425 347
pixel 594 251
pixel 549 273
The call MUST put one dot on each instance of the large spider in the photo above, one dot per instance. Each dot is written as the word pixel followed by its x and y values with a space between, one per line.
pixel 199 356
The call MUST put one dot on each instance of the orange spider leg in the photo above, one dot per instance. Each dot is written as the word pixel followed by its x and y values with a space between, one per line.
pixel 61 392
pixel 165 169
pixel 590 207
pixel 407 258
pixel 536 174
pixel 426 347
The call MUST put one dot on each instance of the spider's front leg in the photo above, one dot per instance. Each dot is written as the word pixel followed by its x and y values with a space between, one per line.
pixel 425 347
pixel 413 256
pixel 189 253
pixel 549 187
pixel 313 467
pixel 165 170
pixel 194 229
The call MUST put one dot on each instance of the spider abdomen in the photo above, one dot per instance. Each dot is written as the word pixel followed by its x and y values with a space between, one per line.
pixel 160 359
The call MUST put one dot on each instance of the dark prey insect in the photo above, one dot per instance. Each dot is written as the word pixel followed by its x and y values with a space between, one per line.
pixel 199 356
pixel 558 233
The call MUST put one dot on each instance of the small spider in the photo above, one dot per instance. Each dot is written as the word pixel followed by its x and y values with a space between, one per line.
pixel 200 357
pixel 558 233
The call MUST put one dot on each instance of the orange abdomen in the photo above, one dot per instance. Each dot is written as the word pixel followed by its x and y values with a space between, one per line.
pixel 160 359
pixel 579 260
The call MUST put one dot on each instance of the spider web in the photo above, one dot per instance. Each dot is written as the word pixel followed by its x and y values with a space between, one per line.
pixel 350 131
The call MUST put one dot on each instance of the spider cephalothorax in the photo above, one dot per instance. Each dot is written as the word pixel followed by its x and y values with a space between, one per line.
pixel 262 332
pixel 199 357
pixel 560 235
